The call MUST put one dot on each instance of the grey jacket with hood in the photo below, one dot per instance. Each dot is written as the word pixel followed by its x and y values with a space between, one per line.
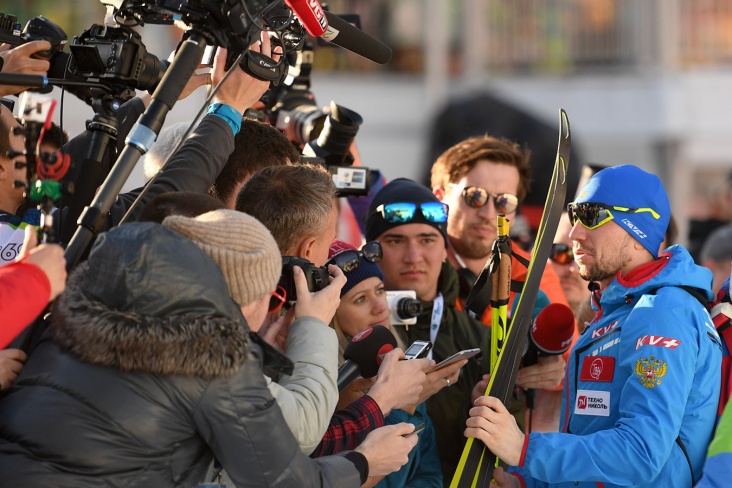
pixel 149 374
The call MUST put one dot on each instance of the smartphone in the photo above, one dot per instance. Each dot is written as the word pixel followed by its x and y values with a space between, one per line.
pixel 465 354
pixel 418 349
pixel 417 429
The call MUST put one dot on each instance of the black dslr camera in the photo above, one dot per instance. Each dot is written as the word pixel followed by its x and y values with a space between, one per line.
pixel 115 55
pixel 37 29
pixel 316 277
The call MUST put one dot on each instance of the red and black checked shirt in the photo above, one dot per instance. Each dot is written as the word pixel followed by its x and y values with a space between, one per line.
pixel 350 426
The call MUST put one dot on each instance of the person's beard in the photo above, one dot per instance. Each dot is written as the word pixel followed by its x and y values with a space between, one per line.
pixel 609 267
pixel 472 248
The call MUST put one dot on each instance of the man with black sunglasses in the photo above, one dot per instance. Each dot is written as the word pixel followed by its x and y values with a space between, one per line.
pixel 480 178
pixel 574 286
pixel 644 377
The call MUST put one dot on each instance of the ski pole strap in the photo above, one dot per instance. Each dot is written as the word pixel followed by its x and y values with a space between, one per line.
pixel 437 308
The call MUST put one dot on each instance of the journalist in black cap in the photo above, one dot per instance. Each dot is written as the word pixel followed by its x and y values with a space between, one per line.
pixel 411 224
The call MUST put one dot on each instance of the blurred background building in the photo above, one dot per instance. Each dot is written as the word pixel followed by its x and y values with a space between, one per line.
pixel 644 81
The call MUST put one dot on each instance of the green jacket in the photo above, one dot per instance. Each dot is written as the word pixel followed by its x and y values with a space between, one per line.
pixel 449 408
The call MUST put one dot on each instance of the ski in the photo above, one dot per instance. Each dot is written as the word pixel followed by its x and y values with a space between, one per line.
pixel 476 465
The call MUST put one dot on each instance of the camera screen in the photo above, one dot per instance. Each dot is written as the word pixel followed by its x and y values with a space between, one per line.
pixel 349 177
pixel 414 349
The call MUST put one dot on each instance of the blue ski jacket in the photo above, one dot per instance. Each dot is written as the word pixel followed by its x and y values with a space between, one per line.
pixel 641 386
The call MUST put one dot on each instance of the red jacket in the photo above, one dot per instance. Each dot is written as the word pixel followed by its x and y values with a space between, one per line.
pixel 24 292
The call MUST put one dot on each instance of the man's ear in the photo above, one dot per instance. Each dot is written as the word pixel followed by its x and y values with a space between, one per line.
pixel 305 248
pixel 638 246
pixel 439 192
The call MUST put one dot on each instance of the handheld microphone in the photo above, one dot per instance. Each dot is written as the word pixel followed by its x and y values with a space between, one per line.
pixel 364 353
pixel 335 30
pixel 311 15
pixel 551 333
pixel 345 35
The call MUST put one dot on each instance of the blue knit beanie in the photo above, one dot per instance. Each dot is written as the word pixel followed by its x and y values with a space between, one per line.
pixel 365 269
pixel 631 187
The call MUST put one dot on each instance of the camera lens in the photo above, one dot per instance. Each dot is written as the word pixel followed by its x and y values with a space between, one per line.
pixel 151 72
pixel 334 141
pixel 408 308
pixel 306 122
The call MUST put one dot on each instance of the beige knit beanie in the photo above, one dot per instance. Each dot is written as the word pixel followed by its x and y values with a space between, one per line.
pixel 240 244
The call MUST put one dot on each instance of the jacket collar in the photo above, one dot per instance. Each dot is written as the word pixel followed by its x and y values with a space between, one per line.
pixel 189 343
pixel 675 267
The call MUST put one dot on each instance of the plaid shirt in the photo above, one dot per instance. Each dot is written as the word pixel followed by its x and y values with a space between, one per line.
pixel 350 426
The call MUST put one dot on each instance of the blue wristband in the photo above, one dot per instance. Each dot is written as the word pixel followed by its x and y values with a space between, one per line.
pixel 230 115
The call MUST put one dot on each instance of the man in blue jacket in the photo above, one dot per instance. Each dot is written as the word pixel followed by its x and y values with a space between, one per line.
pixel 642 382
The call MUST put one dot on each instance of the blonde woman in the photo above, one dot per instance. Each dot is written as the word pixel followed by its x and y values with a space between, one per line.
pixel 363 305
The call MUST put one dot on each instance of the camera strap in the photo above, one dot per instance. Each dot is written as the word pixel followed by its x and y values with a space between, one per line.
pixel 437 308
pixel 264 68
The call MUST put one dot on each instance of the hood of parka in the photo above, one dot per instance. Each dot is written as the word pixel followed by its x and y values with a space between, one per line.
pixel 150 301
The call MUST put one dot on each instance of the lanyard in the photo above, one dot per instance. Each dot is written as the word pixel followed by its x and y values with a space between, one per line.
pixel 437 306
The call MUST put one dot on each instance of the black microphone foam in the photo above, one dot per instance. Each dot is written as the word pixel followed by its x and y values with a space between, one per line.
pixel 345 35
pixel 364 353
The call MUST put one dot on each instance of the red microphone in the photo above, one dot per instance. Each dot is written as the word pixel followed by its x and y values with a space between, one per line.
pixel 311 15
pixel 551 333
pixel 364 353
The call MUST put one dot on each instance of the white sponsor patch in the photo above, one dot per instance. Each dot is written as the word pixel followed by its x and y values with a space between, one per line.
pixel 634 229
pixel 592 402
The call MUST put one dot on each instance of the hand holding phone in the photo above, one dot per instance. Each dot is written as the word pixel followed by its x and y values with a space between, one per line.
pixel 417 429
pixel 458 356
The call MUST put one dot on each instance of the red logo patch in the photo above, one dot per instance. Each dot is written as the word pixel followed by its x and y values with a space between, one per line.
pixel 597 368
pixel 582 402
pixel 660 341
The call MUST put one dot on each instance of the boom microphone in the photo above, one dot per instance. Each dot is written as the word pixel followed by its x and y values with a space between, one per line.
pixel 311 15
pixel 364 353
pixel 345 35
pixel 551 333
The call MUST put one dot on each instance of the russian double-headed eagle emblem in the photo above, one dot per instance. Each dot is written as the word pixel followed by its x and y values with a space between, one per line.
pixel 650 371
